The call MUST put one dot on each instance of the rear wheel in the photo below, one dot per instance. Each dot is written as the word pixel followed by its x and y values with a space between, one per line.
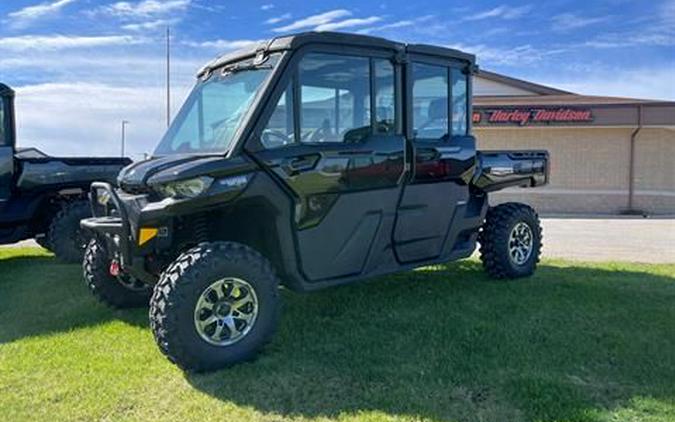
pixel 216 305
pixel 122 291
pixel 65 236
pixel 510 241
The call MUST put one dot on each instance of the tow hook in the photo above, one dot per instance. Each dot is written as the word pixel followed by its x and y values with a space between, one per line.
pixel 114 268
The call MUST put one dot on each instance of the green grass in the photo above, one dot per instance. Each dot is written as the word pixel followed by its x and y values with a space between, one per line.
pixel 576 342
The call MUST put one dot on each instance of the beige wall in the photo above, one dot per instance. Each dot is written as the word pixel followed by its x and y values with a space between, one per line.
pixel 589 168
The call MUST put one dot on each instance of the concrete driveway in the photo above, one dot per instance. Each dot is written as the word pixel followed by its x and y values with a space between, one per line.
pixel 617 239
pixel 600 239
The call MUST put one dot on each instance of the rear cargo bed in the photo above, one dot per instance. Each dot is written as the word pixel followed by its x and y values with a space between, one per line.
pixel 502 169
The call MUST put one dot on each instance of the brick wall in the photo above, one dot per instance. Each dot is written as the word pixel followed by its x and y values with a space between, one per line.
pixel 589 168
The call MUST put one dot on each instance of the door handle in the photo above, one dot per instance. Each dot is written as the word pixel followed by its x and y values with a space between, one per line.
pixel 303 163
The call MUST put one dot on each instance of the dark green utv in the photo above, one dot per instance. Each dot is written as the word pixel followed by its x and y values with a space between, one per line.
pixel 45 197
pixel 310 161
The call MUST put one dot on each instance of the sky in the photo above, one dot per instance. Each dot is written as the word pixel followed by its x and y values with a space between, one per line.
pixel 80 67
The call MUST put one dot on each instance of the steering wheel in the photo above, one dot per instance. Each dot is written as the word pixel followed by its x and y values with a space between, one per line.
pixel 322 133
pixel 273 138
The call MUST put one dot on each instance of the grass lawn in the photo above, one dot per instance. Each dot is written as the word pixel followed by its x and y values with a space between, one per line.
pixel 576 342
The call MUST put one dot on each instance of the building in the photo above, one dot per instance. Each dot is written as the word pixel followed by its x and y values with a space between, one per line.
pixel 608 155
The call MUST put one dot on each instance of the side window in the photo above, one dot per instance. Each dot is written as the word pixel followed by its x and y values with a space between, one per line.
pixel 334 98
pixel 279 130
pixel 459 102
pixel 2 121
pixel 430 102
pixel 385 102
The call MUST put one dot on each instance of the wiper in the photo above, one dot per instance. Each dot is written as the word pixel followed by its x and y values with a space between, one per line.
pixel 240 67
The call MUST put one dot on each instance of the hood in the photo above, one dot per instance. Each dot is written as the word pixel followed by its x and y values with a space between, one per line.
pixel 138 177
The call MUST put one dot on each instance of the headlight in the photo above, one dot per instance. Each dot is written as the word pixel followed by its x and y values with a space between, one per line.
pixel 103 197
pixel 189 188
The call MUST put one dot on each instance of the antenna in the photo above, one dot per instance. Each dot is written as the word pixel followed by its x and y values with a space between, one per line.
pixel 124 135
pixel 168 76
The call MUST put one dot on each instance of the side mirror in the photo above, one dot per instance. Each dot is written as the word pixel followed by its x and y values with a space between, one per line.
pixel 7 128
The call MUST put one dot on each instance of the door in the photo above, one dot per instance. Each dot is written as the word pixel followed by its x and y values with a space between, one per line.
pixel 6 147
pixel 333 139
pixel 442 156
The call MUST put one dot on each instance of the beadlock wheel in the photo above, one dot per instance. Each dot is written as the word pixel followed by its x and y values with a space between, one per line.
pixel 520 243
pixel 226 311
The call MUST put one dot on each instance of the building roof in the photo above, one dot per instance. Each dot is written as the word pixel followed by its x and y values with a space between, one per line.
pixel 521 84
pixel 562 100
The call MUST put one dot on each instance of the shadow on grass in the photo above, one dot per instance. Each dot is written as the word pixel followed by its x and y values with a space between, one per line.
pixel 443 343
pixel 39 295
pixel 448 344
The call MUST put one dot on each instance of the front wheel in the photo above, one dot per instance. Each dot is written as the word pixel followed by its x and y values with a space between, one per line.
pixel 510 241
pixel 121 291
pixel 216 305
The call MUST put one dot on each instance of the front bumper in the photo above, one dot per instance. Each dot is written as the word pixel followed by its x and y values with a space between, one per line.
pixel 118 224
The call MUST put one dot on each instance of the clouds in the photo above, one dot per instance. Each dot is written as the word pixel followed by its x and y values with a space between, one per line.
pixel 223 45
pixel 569 21
pixel 277 19
pixel 146 8
pixel 145 15
pixel 26 16
pixel 500 12
pixel 313 21
pixel 150 25
pixel 62 117
pixel 99 65
pixel 62 42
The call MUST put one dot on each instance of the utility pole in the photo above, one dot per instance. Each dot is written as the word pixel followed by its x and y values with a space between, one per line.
pixel 124 135
pixel 168 76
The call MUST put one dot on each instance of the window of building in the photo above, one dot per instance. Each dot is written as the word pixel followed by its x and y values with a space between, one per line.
pixel 430 102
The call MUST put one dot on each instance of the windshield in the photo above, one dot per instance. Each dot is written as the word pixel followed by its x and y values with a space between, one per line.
pixel 214 109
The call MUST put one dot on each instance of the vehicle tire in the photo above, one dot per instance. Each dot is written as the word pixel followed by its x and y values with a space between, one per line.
pixel 216 305
pixel 119 292
pixel 510 241
pixel 65 236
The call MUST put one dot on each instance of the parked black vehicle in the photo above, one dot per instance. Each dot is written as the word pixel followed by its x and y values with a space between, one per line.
pixel 45 197
pixel 313 160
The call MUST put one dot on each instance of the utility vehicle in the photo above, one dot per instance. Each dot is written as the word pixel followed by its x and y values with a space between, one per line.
pixel 45 197
pixel 310 161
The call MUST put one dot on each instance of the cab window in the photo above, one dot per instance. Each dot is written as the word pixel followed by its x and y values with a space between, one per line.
pixel 459 102
pixel 430 102
pixel 3 125
pixel 385 96
pixel 334 98
pixel 280 127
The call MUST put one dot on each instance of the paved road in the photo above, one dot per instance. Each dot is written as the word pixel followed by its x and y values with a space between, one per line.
pixel 621 239
pixel 633 240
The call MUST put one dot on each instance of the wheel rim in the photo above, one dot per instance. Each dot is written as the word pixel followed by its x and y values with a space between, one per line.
pixel 521 242
pixel 226 311
pixel 131 283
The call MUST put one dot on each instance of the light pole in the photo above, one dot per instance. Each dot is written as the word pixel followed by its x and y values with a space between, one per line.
pixel 124 135
pixel 168 76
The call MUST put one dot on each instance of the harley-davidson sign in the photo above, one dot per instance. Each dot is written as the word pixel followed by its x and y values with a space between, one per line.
pixel 528 116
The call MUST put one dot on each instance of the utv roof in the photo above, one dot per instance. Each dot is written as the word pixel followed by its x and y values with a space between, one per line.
pixel 294 41
pixel 4 90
